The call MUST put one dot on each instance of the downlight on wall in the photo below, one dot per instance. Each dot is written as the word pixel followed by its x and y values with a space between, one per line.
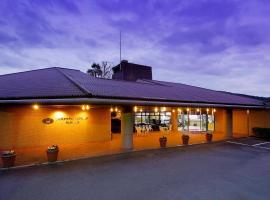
pixel 35 106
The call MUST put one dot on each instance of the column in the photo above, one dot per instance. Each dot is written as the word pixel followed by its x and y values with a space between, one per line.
pixel 174 120
pixel 127 124
pixel 229 122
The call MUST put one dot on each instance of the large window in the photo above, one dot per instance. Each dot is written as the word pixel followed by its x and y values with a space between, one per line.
pixel 156 118
pixel 196 121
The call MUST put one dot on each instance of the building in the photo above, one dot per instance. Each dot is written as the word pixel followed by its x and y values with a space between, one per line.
pixel 89 116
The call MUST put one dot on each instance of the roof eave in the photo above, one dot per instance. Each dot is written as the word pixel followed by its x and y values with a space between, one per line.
pixel 106 101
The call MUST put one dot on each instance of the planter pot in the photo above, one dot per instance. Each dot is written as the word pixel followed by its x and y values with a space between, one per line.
pixel 185 139
pixel 209 137
pixel 163 142
pixel 8 160
pixel 52 156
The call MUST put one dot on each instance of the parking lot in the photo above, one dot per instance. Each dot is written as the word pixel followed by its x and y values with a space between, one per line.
pixel 235 169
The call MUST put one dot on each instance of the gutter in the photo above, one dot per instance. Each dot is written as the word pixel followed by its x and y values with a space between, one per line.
pixel 102 101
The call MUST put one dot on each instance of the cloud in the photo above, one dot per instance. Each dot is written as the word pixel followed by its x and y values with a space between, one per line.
pixel 218 44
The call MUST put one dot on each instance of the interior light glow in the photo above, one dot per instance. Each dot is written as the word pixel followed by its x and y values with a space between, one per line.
pixel 141 110
pixel 198 110
pixel 156 109
pixel 173 110
pixel 111 109
pixel 116 109
pixel 188 109
pixel 135 108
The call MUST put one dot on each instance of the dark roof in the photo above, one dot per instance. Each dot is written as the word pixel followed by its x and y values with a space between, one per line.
pixel 61 82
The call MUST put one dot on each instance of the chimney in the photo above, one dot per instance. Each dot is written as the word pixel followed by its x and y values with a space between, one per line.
pixel 131 71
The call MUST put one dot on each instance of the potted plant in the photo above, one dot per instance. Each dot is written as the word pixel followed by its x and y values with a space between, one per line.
pixel 209 136
pixel 185 138
pixel 52 153
pixel 163 141
pixel 8 158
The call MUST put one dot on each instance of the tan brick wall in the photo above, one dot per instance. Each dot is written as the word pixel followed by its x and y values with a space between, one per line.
pixel 22 126
pixel 256 118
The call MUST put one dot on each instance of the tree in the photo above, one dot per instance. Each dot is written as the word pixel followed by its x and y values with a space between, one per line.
pixel 103 70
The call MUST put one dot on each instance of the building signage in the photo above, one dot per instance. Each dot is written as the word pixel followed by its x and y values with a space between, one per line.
pixel 48 121
pixel 66 120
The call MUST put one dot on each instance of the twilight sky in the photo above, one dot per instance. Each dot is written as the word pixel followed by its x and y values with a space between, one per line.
pixel 217 44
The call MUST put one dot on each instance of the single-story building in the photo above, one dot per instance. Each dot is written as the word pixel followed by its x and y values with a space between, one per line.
pixel 88 116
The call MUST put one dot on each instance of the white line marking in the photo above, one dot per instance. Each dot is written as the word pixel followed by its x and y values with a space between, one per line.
pixel 260 143
pixel 261 147
pixel 238 143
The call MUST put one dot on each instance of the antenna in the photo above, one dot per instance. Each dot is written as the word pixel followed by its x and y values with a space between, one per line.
pixel 120 49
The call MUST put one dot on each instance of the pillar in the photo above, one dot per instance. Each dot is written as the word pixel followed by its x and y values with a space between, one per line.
pixel 127 125
pixel 174 120
pixel 229 123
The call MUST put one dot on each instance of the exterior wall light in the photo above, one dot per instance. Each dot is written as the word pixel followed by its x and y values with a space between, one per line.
pixel 141 110
pixel 135 108
pixel 214 110
pixel 83 107
pixel 173 110
pixel 116 109
pixel 35 107
pixel 111 109
pixel 198 110
pixel 156 109
pixel 188 109
pixel 87 107
pixel 164 109
pixel 207 109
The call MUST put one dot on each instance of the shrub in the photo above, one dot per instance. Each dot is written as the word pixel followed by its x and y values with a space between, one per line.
pixel 261 132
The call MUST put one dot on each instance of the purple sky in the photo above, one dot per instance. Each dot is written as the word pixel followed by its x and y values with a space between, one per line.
pixel 217 44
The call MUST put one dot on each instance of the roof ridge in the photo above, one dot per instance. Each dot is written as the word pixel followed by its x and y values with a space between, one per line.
pixel 83 89
pixel 34 70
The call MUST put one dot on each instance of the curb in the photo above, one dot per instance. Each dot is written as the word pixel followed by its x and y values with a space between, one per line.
pixel 114 156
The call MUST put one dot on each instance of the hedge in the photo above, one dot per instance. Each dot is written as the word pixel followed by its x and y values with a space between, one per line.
pixel 261 132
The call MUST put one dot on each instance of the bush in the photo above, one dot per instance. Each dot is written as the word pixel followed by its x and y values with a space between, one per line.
pixel 261 132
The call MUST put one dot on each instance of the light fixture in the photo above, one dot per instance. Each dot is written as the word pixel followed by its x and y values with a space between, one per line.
pixel 141 110
pixel 173 110
pixel 164 109
pixel 83 107
pixel 87 107
pixel 116 109
pixel 111 109
pixel 198 110
pixel 135 108
pixel 35 107
pixel 214 110
pixel 156 109
pixel 179 110
pixel 59 114
pixel 247 111
pixel 188 109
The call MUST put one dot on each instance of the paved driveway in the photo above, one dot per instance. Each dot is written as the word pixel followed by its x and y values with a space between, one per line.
pixel 216 171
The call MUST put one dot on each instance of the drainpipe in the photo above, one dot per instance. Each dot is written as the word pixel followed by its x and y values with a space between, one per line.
pixel 229 121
